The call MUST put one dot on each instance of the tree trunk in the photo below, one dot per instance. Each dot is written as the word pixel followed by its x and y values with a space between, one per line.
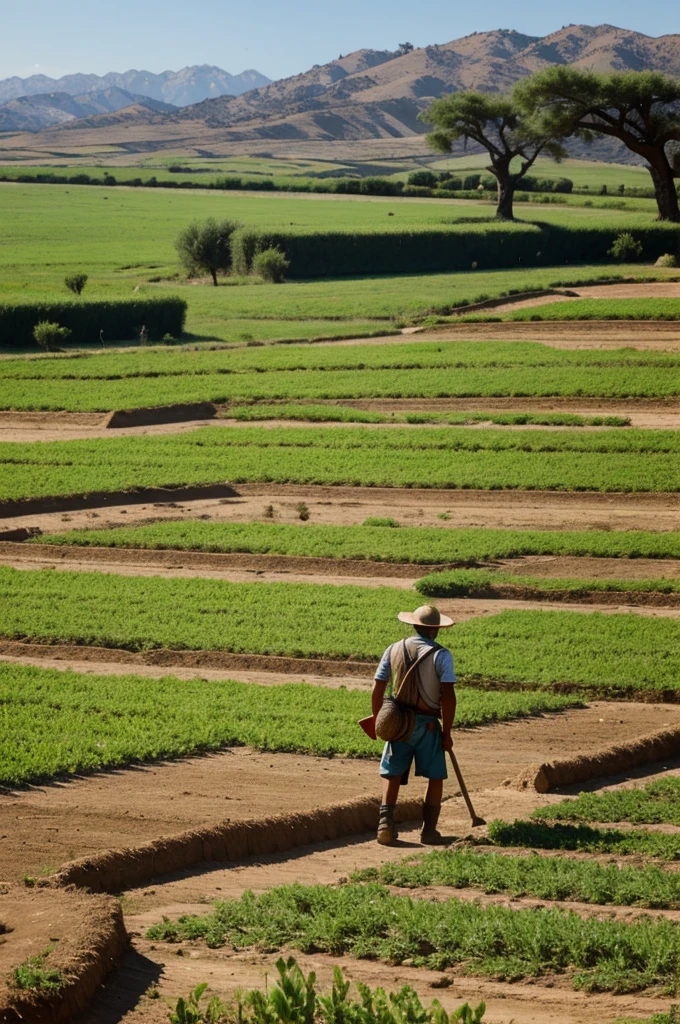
pixel 664 187
pixel 214 275
pixel 506 195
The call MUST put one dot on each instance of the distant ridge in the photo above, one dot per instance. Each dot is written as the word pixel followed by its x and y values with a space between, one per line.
pixel 368 95
pixel 179 88
pixel 33 113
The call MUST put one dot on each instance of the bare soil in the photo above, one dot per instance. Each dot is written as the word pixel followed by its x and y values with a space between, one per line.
pixel 647 290
pixel 82 936
pixel 42 827
pixel 244 503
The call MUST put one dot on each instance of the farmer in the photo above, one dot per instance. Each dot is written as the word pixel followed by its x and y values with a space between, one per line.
pixel 422 677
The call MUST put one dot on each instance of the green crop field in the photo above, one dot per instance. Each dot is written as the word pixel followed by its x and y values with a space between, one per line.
pixel 612 655
pixel 592 174
pixel 366 921
pixel 65 722
pixel 346 414
pixel 419 544
pixel 600 309
pixel 483 583
pixel 586 839
pixel 448 457
pixel 657 803
pixel 545 878
pixel 143 377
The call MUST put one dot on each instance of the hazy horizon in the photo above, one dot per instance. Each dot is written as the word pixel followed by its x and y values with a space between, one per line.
pixel 44 39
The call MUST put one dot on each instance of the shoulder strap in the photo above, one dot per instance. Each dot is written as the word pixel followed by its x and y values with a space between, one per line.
pixel 415 665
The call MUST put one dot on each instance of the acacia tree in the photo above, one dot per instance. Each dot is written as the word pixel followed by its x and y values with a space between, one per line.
pixel 206 247
pixel 641 108
pixel 495 123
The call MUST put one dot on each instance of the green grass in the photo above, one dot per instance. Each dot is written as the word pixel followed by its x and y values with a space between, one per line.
pixel 610 655
pixel 442 458
pixel 157 376
pixel 419 544
pixel 485 583
pixel 539 835
pixel 365 921
pixel 591 173
pixel 126 240
pixel 655 804
pixel 36 977
pixel 346 414
pixel 545 878
pixel 601 309
pixel 63 722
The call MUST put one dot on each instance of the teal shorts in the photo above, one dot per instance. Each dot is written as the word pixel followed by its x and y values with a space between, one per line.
pixel 425 745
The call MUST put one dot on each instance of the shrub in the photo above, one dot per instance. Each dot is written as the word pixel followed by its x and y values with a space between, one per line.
pixel 271 264
pixel 119 320
pixel 426 178
pixel 206 247
pixel 471 181
pixel 667 260
pixel 381 521
pixel 625 247
pixel 75 283
pixel 49 335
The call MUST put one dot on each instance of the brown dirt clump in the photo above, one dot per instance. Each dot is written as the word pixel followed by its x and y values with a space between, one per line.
pixel 84 934
pixel 142 417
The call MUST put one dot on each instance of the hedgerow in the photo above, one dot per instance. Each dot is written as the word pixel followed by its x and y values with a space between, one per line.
pixel 116 319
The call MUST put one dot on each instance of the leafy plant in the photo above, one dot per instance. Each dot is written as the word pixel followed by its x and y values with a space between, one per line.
pixel 35 976
pixel 381 521
pixel 50 335
pixel 625 247
pixel 271 265
pixel 75 283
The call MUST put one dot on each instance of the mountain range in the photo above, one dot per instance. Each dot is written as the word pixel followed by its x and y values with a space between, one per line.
pixel 179 88
pixel 366 95
pixel 33 113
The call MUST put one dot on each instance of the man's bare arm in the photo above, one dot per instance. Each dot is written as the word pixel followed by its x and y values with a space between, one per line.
pixel 448 713
pixel 377 695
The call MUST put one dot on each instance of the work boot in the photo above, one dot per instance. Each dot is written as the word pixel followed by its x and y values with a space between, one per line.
pixel 429 835
pixel 387 830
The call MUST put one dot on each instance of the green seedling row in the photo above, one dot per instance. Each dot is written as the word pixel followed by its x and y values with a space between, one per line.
pixel 536 835
pixel 484 583
pixel 655 804
pixel 419 544
pixel 365 921
pixel 64 722
pixel 612 655
pixel 545 878
pixel 608 460
pixel 346 414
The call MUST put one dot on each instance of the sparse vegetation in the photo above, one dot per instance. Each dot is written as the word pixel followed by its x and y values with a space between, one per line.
pixel 35 976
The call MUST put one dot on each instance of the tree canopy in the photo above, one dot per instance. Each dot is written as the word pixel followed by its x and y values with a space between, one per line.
pixel 206 247
pixel 496 124
pixel 641 108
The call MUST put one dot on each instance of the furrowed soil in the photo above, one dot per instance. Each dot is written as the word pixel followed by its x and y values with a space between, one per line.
pixel 42 827
pixel 244 503
pixel 486 756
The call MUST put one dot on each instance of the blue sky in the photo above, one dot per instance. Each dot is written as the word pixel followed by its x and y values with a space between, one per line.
pixel 277 38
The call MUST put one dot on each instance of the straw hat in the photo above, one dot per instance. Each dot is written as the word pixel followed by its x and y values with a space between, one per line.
pixel 426 615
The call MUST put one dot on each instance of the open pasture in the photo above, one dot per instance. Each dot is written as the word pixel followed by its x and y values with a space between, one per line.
pixel 443 458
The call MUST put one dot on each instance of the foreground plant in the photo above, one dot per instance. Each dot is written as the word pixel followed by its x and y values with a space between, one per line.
pixel 34 976
pixel 295 1000
pixel 367 922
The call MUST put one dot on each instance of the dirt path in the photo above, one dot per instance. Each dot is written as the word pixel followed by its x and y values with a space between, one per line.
pixel 42 827
pixel 528 510
pixel 644 335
